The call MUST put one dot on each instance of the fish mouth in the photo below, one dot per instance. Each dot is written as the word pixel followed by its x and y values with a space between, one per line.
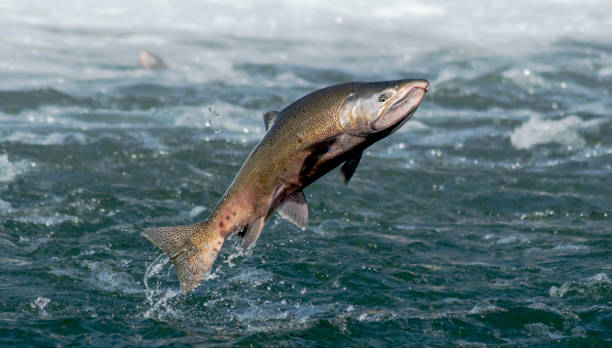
pixel 417 91
pixel 407 103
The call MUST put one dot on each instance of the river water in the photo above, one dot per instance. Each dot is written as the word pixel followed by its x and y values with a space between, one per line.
pixel 485 220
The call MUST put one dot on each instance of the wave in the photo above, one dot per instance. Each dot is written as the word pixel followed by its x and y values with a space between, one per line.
pixel 599 284
pixel 13 102
pixel 295 74
pixel 38 217
pixel 565 131
pixel 54 138
pixel 5 207
pixel 39 305
pixel 10 170
pixel 139 96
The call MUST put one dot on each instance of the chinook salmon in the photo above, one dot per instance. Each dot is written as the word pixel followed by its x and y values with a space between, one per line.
pixel 148 60
pixel 305 140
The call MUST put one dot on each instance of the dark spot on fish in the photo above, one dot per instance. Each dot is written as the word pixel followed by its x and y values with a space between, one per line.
pixel 234 213
pixel 221 224
pixel 226 217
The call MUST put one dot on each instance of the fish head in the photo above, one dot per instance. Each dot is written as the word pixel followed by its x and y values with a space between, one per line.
pixel 378 106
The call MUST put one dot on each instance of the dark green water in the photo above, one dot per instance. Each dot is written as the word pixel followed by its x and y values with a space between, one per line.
pixel 486 220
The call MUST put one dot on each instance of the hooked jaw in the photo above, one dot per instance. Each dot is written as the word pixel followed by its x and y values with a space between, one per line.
pixel 410 96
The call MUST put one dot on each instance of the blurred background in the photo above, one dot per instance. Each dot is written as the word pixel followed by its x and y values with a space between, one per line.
pixel 484 220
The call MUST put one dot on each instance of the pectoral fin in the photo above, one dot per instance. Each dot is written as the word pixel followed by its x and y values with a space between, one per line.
pixel 253 230
pixel 348 168
pixel 295 209
pixel 269 118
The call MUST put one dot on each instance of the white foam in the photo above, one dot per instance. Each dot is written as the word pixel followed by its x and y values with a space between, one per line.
pixel 537 131
pixel 48 139
pixel 197 210
pixel 570 247
pixel 255 277
pixel 372 315
pixel 407 9
pixel 464 22
pixel 8 170
pixel 605 72
pixel 158 299
pixel 39 217
pixel 104 276
pixel 278 315
pixel 402 29
pixel 482 308
pixel 39 304
pixel 587 286
pixel 512 239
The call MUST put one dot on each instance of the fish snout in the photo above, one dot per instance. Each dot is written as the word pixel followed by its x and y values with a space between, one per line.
pixel 422 84
pixel 410 86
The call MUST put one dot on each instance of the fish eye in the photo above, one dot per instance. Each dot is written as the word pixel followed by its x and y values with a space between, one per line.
pixel 383 97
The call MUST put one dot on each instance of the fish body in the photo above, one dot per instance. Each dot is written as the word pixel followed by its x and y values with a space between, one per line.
pixel 148 60
pixel 304 141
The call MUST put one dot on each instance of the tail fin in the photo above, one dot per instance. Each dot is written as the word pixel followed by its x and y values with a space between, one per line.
pixel 191 260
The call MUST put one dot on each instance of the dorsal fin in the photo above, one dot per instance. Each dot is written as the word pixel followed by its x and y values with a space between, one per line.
pixel 269 118
pixel 295 209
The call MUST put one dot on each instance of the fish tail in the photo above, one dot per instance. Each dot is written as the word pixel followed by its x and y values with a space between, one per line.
pixel 192 248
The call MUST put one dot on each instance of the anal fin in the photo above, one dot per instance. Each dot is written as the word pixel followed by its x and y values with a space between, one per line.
pixel 295 209
pixel 253 230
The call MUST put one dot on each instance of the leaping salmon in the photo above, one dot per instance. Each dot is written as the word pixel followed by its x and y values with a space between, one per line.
pixel 148 60
pixel 304 141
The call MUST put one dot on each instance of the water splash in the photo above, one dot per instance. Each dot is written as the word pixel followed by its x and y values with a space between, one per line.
pixel 39 305
pixel 9 170
pixel 157 298
pixel 597 284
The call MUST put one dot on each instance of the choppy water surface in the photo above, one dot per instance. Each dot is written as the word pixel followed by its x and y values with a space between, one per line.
pixel 485 220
